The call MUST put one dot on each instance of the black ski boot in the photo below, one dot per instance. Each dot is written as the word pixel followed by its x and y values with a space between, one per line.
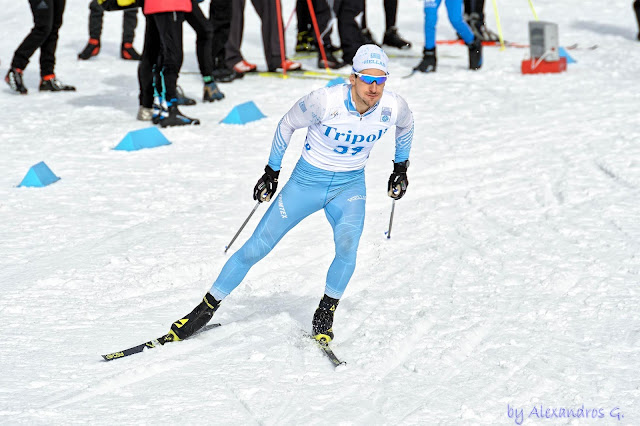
pixel 367 37
pixel 176 118
pixel 221 73
pixel 211 91
pixel 306 42
pixel 476 23
pixel 332 62
pixel 128 53
pixel 15 82
pixel 52 84
pixel 198 318
pixel 429 60
pixel 90 50
pixel 475 54
pixel 393 39
pixel 323 319
pixel 184 99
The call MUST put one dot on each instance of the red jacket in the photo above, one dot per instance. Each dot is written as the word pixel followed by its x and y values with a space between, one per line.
pixel 159 6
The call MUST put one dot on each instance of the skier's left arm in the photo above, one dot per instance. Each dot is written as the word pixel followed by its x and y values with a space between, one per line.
pixel 398 181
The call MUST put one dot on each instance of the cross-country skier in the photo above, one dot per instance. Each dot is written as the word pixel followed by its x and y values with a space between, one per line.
pixel 454 10
pixel 343 124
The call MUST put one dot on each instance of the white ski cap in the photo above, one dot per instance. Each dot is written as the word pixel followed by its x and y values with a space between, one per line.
pixel 370 56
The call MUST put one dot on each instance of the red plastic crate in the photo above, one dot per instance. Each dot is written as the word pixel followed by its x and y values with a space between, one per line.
pixel 543 66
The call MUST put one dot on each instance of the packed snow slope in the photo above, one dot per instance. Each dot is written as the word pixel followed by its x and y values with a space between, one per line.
pixel 509 286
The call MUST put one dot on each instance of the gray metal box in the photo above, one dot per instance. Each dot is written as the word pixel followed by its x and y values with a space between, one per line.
pixel 543 40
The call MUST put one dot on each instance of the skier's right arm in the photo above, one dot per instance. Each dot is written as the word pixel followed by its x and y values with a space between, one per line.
pixel 307 111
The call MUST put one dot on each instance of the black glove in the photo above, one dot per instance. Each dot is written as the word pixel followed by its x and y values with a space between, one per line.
pixel 398 181
pixel 266 185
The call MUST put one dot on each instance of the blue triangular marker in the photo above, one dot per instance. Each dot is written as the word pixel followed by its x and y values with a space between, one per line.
pixel 150 137
pixel 243 113
pixel 336 81
pixel 563 54
pixel 39 175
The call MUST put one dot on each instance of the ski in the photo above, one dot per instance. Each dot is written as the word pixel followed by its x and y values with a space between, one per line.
pixel 574 46
pixel 149 345
pixel 410 74
pixel 326 349
pixel 317 75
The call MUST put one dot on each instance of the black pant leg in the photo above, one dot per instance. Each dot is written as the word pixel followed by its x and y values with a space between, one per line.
pixel 96 14
pixel 170 30
pixel 349 30
pixel 150 55
pixel 232 46
pixel 269 17
pixel 323 17
pixel 129 24
pixel 636 7
pixel 302 15
pixel 468 7
pixel 42 24
pixel 220 18
pixel 479 9
pixel 48 48
pixel 204 38
pixel 390 12
pixel 364 14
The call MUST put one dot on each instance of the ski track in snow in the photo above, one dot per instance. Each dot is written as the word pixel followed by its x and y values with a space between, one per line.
pixel 511 278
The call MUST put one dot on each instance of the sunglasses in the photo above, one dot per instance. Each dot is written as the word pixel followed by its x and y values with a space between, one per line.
pixel 370 79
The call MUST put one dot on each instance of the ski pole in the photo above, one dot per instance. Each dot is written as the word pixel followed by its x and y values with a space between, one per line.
pixel 533 9
pixel 495 10
pixel 281 37
pixel 242 227
pixel 293 12
pixel 393 207
pixel 314 21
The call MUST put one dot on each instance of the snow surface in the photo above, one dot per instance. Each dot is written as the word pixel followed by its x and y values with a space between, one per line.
pixel 510 282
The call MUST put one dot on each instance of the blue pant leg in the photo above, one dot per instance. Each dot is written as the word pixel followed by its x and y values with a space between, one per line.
pixel 430 21
pixel 292 204
pixel 346 214
pixel 454 10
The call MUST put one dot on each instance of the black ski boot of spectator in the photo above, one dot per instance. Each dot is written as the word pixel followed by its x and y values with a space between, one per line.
pixel 332 62
pixel 367 37
pixel 52 84
pixel 476 23
pixel 176 118
pixel 15 82
pixel 183 99
pixel 475 54
pixel 306 42
pixel 429 60
pixel 90 50
pixel 211 91
pixel 393 39
pixel 127 52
